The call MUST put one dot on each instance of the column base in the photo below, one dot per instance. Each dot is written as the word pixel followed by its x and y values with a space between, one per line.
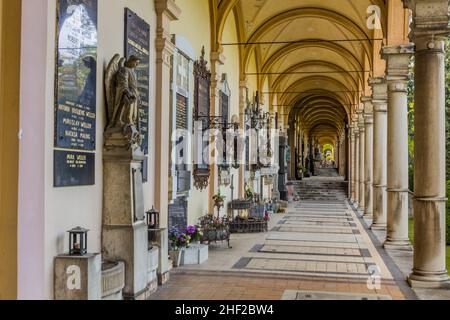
pixel 420 279
pixel 402 245
pixel 378 226
pixel 140 296
pixel 163 278
pixel 368 216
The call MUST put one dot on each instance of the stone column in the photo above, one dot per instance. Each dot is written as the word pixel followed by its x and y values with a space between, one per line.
pixel 379 101
pixel 292 145
pixel 368 156
pixel 397 71
pixel 356 165
pixel 352 165
pixel 166 11
pixel 362 142
pixel 336 153
pixel 429 29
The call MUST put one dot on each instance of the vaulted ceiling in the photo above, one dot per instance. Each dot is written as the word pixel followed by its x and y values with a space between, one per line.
pixel 316 55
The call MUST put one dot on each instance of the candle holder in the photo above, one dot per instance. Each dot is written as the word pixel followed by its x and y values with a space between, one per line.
pixel 78 241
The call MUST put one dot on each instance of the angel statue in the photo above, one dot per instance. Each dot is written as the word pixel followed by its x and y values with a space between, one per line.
pixel 122 98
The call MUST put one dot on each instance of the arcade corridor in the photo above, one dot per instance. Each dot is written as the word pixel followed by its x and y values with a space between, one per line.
pixel 138 135
pixel 319 249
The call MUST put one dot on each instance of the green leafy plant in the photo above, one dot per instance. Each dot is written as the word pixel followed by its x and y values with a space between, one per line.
pixel 448 214
pixel 219 200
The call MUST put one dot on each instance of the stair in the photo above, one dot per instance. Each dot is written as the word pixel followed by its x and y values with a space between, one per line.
pixel 321 189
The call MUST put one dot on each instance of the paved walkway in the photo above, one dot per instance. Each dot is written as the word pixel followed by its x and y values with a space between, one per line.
pixel 317 250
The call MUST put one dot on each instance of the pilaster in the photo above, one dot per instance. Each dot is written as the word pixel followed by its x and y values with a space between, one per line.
pixel 166 11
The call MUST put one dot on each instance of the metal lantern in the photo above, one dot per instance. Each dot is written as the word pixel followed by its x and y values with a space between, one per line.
pixel 153 218
pixel 78 241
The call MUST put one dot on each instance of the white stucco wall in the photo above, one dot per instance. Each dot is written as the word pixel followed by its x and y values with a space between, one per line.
pixel 66 208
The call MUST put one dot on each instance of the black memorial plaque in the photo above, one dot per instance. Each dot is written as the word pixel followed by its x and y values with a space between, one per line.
pixel 76 93
pixel 74 168
pixel 137 43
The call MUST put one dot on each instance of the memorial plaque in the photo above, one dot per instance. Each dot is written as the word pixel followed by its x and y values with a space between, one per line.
pixel 202 102
pixel 138 195
pixel 137 43
pixel 74 168
pixel 75 93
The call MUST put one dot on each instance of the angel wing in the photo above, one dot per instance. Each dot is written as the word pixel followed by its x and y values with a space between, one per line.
pixel 110 83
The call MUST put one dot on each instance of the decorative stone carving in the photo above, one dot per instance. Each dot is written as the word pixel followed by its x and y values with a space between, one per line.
pixel 122 102
pixel 124 231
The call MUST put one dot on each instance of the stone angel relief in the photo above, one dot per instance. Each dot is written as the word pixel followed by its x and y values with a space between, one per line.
pixel 122 99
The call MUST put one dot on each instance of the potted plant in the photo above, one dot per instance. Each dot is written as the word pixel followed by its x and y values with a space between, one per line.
pixel 178 240
pixel 214 229
pixel 194 233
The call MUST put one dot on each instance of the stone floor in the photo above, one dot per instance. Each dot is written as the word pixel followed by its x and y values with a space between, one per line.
pixel 317 247
pixel 400 263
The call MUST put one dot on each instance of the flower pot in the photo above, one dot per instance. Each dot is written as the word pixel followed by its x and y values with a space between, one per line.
pixel 175 256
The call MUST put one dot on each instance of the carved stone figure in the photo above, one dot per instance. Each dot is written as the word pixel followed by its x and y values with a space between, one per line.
pixel 122 98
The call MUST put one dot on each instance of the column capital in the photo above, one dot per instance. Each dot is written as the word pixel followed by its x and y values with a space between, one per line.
pixel 168 8
pixel 165 49
pixel 430 22
pixel 243 84
pixel 361 124
pixel 368 106
pixel 217 57
pixel 397 69
pixel 166 11
pixel 379 94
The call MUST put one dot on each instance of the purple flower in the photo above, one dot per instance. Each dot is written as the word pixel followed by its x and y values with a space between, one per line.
pixel 191 229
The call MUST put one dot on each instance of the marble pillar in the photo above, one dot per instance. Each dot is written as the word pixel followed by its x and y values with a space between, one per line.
pixel 362 143
pixel 356 166
pixel 429 30
pixel 336 154
pixel 397 71
pixel 352 165
pixel 379 101
pixel 368 156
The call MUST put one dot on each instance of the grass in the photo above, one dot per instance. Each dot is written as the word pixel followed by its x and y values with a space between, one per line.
pixel 411 238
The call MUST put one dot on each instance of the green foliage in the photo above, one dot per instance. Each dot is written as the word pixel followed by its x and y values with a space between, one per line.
pixel 411 127
pixel 447 126
pixel 447 103
pixel 448 214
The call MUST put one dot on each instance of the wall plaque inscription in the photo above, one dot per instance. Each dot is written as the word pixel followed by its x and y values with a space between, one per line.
pixel 74 168
pixel 76 90
pixel 202 105
pixel 137 43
